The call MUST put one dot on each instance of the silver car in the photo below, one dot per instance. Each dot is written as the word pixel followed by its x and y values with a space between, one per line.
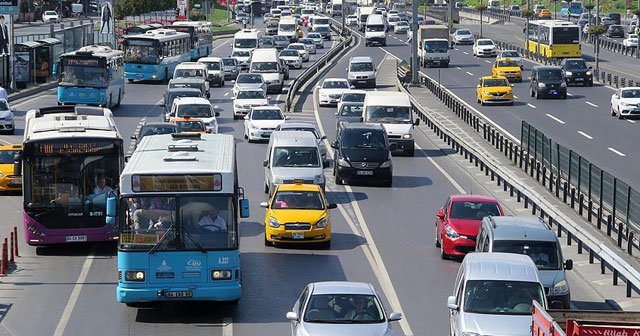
pixel 7 118
pixel 317 38
pixel 340 308
pixel 307 127
pixel 309 44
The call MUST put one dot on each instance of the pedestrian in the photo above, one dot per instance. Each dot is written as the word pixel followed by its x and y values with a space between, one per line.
pixel 409 36
pixel 4 36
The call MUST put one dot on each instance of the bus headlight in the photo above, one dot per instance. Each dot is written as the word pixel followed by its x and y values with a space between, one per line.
pixel 134 276
pixel 221 274
pixel 274 223
pixel 322 222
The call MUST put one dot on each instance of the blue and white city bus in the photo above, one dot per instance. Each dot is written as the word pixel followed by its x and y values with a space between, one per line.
pixel 92 75
pixel 178 213
pixel 201 36
pixel 155 54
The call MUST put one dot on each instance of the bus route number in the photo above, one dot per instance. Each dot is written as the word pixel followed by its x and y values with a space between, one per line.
pixel 223 260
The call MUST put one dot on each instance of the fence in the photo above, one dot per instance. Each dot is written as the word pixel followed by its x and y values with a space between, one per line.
pixel 74 36
pixel 611 45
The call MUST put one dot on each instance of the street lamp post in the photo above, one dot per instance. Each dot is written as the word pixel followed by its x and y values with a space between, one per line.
pixel 415 64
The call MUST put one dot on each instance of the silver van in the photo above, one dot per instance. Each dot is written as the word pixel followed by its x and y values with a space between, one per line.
pixel 361 72
pixel 291 156
pixel 533 237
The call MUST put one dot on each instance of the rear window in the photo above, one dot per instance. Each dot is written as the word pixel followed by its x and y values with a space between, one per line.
pixel 473 210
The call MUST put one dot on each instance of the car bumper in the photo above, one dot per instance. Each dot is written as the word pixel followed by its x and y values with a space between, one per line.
pixel 466 41
pixel 629 110
pixel 579 79
pixel 553 92
pixel 228 291
pixel 564 299
pixel 329 101
pixel 314 235
pixel 496 100
pixel 10 183
pixel 255 135
pixel 214 80
pixel 403 144
pixel 354 174
pixel 459 246
pixel 487 53
pixel 369 82
pixel 7 126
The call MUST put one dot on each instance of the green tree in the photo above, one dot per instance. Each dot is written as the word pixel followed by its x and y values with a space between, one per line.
pixel 125 8
pixel 480 7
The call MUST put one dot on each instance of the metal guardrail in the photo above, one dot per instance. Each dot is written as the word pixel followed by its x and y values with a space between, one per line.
pixel 611 45
pixel 522 158
pixel 302 79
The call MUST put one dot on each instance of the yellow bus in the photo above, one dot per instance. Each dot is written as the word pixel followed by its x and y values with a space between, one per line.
pixel 554 38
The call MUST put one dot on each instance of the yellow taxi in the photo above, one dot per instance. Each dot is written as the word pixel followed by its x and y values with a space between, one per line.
pixel 544 14
pixel 494 90
pixel 9 181
pixel 297 213
pixel 508 68
pixel 190 125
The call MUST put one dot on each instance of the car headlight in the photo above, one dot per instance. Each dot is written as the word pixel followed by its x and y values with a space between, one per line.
pixel 486 93
pixel 621 103
pixel 568 73
pixel 322 222
pixel 318 179
pixel 343 163
pixel 407 136
pixel 322 94
pixel 386 164
pixel 221 274
pixel 252 126
pixel 237 105
pixel 10 117
pixel 563 84
pixel 451 233
pixel 588 73
pixel 541 85
pixel 561 287
pixel 134 276
pixel 274 222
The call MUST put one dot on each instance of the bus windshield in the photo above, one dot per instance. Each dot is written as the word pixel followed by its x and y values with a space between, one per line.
pixel 245 43
pixel 178 223
pixel 90 72
pixel 141 51
pixel 566 35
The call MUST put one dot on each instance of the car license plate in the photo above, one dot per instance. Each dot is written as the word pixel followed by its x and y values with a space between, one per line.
pixel 266 133
pixel 365 172
pixel 178 294
pixel 579 79
pixel 297 235
pixel 71 239
pixel 16 183
pixel 362 81
pixel 554 92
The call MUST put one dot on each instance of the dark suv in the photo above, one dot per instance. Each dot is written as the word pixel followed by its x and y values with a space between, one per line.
pixel 615 31
pixel 362 153
pixel 548 81
pixel 576 71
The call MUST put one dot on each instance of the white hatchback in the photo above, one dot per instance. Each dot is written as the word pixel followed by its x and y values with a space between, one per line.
pixel 331 89
pixel 261 122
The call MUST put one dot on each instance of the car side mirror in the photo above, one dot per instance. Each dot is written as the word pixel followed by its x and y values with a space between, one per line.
pixel 332 206
pixel 265 163
pixel 346 69
pixel 318 87
pixel 451 303
pixel 361 119
pixel 162 104
pixel 511 85
pixel 334 145
pixel 615 95
pixel 416 122
pixel 440 215
pixel 335 114
pixel 395 316
pixel 352 87
pixel 287 117
pixel 246 117
pixel 323 137
pixel 264 204
pixel 127 157
pixel 590 67
pixel 292 316
pixel 233 98
pixel 568 264
pixel 478 86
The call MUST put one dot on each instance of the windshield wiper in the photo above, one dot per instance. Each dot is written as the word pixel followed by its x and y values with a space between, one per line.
pixel 194 241
pixel 164 237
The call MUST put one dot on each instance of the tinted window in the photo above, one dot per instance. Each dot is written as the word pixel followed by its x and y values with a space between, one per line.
pixel 349 110
pixel 266 115
pixel 498 297
pixel 630 93
pixel 358 67
pixel 248 78
pixel 6 157
pixel 495 82
pixel 485 42
pixel 308 200
pixel 363 139
pixel 155 130
pixel 229 61
pixel 344 308
pixel 251 94
pixel 335 85
pixel 550 74
pixel 195 111
pixel 575 64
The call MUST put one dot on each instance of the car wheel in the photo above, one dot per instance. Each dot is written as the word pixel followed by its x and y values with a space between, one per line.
pixel 130 80
pixel 266 188
pixel 410 152
pixel 620 116
pixel 12 131
pixel 326 245
pixel 443 255
pixel 531 92
pixel 613 112
pixel 267 242
pixel 388 183
pixel 536 94
pixel 246 136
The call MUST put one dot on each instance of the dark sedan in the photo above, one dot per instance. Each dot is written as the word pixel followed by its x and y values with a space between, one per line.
pixel 577 72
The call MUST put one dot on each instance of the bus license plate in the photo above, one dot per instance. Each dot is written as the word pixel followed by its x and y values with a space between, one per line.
pixel 296 235
pixel 365 172
pixel 72 239
pixel 178 294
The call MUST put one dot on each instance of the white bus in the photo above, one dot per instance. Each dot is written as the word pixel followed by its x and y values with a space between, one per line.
pixel 246 40
pixel 288 27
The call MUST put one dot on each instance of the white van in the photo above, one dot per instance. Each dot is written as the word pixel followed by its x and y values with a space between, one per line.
pixel 288 27
pixel 293 155
pixel 393 111
pixel 192 70
pixel 267 63
pixel 246 40
pixel 374 32
pixel 494 5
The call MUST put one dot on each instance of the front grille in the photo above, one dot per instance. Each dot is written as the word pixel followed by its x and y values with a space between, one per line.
pixel 297 226
pixel 267 129
pixel 335 96
pixel 365 165
pixel 498 94
pixel 362 77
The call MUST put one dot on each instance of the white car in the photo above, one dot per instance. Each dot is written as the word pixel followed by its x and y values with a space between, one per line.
pixel 306 127
pixel 245 99
pixel 331 89
pixel 310 44
pixel 292 58
pixel 7 118
pixel 631 41
pixel 195 107
pixel 50 16
pixel 513 55
pixel 261 122
pixel 351 20
pixel 249 81
pixel 317 38
pixel 401 27
pixel 484 47
pixel 625 102
pixel 242 57
pixel 352 96
pixel 462 36
pixel 303 50
pixel 340 308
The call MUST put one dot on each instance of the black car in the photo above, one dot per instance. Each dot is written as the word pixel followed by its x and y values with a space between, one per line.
pixel 548 81
pixel 173 93
pixel 153 128
pixel 362 153
pixel 615 31
pixel 576 71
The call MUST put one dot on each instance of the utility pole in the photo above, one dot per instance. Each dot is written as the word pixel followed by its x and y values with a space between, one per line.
pixel 343 15
pixel 415 65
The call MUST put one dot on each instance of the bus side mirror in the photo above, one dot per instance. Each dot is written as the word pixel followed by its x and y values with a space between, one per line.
pixel 244 208
pixel 111 210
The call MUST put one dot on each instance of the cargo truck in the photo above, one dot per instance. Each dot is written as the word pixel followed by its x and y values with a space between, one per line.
pixel 564 322
pixel 363 14
pixel 434 45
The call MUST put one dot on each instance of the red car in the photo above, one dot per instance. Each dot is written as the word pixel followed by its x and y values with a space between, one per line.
pixel 458 221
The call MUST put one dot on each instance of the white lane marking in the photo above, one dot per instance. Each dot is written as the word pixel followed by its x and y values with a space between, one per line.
pixel 27 101
pixel 227 327
pixel 216 106
pixel 590 103
pixel 73 299
pixel 631 121
pixel 466 53
pixel 457 49
pixel 221 44
pixel 445 174
pixel 470 74
pixel 373 255
pixel 570 95
pixel 226 94
pixel 6 142
pixel 531 105
pixel 585 135
pixel 616 151
pixel 555 118
pixel 459 68
pixel 487 61
pixel 514 96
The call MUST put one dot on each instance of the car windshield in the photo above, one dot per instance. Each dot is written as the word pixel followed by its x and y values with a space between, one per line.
pixel 353 97
pixel 633 36
pixel 297 47
pixel 402 24
pixel 510 54
pixel 351 110
pixel 473 210
pixel 507 64
pixel 287 27
pixel 272 24
pixel 186 85
pixel 344 308
pixel 335 85
pixel 499 297
pixel 249 78
pixel 241 53
pixel 7 156
pixel 229 61
pixel 393 19
pixel 281 38
pixel 485 42
pixel 264 66
pixel 575 64
pixel 306 41
pixel 267 43
pixel 632 93
pixel 464 32
pixel 50 13
pixel 194 111
pixel 389 114
pixel 253 94
pixel 554 74
pixel 495 82
pixel 188 73
pixel 314 36
pixel 267 115
pixel 245 43
pixel 545 254
pixel 322 29
pixel 212 65
pixel 290 53
pixel 296 157
pixel 156 130
pixel 363 139
pixel 307 200
pixel 190 126
pixel 360 67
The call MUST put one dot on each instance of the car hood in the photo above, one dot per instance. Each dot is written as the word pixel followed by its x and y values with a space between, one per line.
pixel 365 154
pixel 465 227
pixel 325 329
pixel 5 114
pixel 252 102
pixel 305 173
pixel 298 215
pixel 486 324
pixel 267 123
pixel 332 91
pixel 631 100
pixel 398 129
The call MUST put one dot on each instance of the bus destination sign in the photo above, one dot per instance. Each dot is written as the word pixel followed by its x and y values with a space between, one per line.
pixel 171 183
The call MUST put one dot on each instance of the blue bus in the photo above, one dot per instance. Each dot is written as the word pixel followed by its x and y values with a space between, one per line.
pixel 155 54
pixel 201 36
pixel 178 215
pixel 574 8
pixel 92 75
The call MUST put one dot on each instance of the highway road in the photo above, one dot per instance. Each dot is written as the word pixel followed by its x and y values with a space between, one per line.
pixel 381 235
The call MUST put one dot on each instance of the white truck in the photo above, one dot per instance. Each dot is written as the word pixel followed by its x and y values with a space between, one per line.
pixel 363 13
pixel 434 45
pixel 336 8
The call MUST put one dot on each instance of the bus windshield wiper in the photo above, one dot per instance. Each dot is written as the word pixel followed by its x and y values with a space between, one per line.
pixel 164 237
pixel 194 241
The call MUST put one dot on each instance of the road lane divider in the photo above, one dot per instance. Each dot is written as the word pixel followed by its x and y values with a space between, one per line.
pixel 585 135
pixel 555 118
